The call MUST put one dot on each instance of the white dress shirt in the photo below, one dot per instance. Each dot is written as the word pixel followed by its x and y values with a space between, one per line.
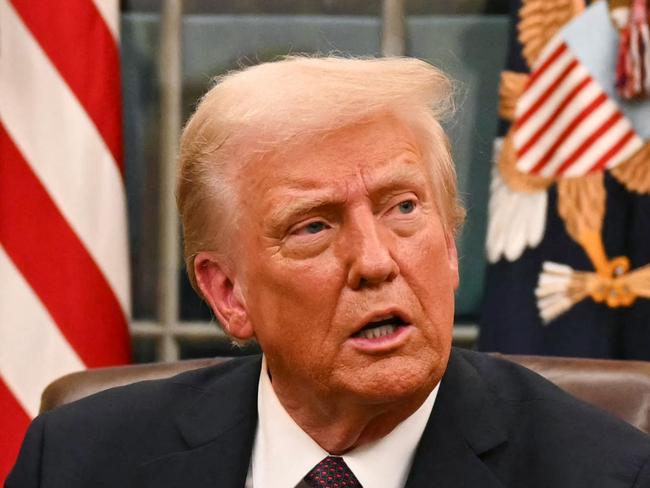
pixel 283 453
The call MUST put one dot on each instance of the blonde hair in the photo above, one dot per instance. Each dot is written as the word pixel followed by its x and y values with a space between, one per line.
pixel 271 106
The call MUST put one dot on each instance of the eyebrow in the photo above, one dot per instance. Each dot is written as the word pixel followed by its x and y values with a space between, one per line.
pixel 299 206
pixel 390 183
pixel 383 188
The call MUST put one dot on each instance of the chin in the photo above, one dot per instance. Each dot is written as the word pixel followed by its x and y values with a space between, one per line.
pixel 395 380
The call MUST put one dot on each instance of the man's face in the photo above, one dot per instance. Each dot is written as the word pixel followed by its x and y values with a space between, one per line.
pixel 347 275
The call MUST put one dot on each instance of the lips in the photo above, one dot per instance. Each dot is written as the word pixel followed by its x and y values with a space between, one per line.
pixel 381 326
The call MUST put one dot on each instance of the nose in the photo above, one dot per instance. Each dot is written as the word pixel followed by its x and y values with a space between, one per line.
pixel 370 258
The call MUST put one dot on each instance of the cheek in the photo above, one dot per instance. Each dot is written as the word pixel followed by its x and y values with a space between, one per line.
pixel 289 295
pixel 427 251
pixel 312 280
pixel 428 269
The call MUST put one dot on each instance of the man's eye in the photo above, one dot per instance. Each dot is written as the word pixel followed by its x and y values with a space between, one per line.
pixel 406 207
pixel 312 228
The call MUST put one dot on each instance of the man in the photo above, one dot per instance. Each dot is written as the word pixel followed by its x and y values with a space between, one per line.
pixel 319 210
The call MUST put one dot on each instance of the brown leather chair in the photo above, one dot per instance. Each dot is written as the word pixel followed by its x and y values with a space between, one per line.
pixel 78 385
pixel 619 387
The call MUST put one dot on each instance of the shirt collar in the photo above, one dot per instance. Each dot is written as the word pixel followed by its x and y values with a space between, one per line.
pixel 283 453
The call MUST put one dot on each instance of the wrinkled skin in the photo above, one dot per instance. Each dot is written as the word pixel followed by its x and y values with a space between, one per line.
pixel 332 234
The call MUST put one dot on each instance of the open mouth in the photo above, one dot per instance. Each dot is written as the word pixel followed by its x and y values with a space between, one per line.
pixel 380 327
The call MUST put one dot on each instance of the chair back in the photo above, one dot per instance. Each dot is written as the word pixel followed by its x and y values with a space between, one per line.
pixel 619 387
pixel 75 386
pixel 616 386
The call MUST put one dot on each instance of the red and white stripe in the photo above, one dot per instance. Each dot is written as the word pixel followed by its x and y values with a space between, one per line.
pixel 63 238
pixel 565 124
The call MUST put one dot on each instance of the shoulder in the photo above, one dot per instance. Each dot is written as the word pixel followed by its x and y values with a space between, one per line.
pixel 109 433
pixel 514 385
pixel 506 379
pixel 163 396
pixel 554 433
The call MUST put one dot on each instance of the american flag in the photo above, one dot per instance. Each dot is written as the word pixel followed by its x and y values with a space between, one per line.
pixel 565 124
pixel 64 280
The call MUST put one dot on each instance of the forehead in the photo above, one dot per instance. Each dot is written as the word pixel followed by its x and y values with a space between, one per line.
pixel 373 151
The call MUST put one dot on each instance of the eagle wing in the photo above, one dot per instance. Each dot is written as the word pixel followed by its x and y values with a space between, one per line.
pixel 515 179
pixel 517 209
pixel 635 172
pixel 540 20
pixel 581 204
pixel 510 89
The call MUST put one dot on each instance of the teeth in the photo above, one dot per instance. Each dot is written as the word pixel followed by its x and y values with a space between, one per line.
pixel 377 332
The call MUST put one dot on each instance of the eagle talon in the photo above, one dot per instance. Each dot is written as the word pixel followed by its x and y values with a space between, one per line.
pixel 618 266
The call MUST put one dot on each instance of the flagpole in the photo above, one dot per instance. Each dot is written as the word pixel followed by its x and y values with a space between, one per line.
pixel 170 116
pixel 393 38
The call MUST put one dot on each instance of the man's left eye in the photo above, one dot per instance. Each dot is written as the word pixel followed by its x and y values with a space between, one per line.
pixel 314 227
pixel 311 228
pixel 406 207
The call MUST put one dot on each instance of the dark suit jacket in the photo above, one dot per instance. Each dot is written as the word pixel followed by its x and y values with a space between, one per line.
pixel 494 425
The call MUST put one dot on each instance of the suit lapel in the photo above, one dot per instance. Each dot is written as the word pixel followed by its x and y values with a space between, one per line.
pixel 464 426
pixel 218 431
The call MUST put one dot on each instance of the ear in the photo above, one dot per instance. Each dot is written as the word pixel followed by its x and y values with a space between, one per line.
pixel 222 291
pixel 452 256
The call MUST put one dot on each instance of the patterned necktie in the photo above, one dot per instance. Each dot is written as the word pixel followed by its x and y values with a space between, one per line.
pixel 331 472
